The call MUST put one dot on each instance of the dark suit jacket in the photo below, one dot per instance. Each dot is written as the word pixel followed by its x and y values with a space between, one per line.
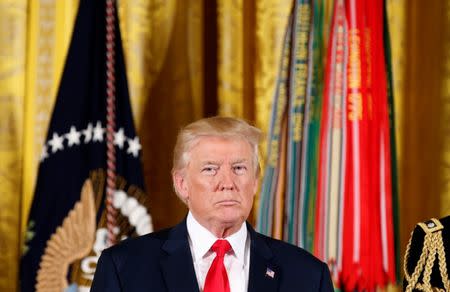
pixel 162 261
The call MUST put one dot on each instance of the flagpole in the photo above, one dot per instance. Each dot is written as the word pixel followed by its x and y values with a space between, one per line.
pixel 111 212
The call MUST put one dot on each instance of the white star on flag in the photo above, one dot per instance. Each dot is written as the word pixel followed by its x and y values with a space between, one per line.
pixel 119 138
pixel 88 133
pixel 44 153
pixel 56 142
pixel 73 137
pixel 98 132
pixel 134 146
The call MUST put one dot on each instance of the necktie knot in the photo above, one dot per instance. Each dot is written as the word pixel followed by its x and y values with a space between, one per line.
pixel 221 247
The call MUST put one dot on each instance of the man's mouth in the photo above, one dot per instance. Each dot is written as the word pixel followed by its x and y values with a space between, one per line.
pixel 227 203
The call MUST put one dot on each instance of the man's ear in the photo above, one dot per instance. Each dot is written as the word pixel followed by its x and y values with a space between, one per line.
pixel 255 185
pixel 256 180
pixel 180 185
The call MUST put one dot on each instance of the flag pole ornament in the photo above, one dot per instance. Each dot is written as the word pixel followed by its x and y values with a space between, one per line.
pixel 91 137
pixel 427 261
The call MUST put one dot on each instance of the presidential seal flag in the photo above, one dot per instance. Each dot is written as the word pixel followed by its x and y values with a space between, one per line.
pixel 89 190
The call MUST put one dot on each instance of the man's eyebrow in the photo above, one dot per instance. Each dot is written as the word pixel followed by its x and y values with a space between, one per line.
pixel 240 160
pixel 210 162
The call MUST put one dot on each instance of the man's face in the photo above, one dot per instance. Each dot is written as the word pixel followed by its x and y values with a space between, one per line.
pixel 219 182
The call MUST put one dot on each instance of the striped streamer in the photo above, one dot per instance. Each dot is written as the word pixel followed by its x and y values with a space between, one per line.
pixel 298 81
pixel 272 170
pixel 330 197
pixel 310 128
pixel 392 140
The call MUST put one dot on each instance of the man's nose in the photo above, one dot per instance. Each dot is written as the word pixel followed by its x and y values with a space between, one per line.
pixel 226 181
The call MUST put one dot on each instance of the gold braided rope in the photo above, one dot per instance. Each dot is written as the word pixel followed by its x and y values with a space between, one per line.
pixel 429 263
pixel 442 263
pixel 412 280
pixel 432 244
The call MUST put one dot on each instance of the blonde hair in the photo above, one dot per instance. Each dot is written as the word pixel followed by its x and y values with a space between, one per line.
pixel 225 127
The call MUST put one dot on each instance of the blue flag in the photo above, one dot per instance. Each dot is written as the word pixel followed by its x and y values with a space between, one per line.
pixel 67 221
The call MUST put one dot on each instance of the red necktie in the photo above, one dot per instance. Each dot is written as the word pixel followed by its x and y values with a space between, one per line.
pixel 217 278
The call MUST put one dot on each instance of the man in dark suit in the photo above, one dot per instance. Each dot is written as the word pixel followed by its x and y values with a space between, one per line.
pixel 215 172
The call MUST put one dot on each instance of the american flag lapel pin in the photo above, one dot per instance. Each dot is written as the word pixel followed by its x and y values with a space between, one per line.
pixel 270 273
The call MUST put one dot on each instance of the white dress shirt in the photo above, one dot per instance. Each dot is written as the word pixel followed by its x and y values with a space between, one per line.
pixel 236 261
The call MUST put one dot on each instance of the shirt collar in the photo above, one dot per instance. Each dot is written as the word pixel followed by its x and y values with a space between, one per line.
pixel 202 239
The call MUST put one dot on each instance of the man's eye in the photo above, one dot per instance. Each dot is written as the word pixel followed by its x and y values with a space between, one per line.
pixel 209 170
pixel 239 169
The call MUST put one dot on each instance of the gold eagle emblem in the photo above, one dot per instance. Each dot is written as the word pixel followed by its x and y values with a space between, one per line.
pixel 71 241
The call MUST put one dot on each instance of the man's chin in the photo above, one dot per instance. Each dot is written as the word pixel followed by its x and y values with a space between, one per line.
pixel 231 217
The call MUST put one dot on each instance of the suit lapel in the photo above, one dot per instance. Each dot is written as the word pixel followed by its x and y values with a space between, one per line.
pixel 264 274
pixel 177 266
